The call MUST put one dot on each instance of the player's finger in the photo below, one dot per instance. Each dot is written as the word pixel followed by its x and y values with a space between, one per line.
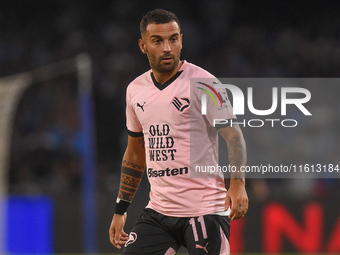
pixel 112 238
pixel 232 213
pixel 227 202
pixel 123 237
pixel 240 211
pixel 117 238
pixel 236 216
pixel 226 205
pixel 111 235
pixel 244 207
pixel 122 240
pixel 237 211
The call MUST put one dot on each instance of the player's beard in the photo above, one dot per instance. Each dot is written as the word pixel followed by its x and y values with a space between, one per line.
pixel 156 62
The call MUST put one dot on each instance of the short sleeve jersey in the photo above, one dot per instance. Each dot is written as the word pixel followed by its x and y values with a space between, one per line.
pixel 177 136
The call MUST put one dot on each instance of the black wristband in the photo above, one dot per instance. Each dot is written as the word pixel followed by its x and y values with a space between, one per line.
pixel 121 206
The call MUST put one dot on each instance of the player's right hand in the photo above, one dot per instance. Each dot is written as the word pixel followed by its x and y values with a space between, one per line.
pixel 117 235
pixel 237 197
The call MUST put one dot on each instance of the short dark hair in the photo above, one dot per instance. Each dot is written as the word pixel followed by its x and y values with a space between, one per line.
pixel 157 16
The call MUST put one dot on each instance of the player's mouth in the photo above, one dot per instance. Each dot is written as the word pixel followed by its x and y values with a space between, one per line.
pixel 167 59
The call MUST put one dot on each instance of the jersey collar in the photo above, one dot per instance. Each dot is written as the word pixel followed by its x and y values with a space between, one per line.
pixel 167 83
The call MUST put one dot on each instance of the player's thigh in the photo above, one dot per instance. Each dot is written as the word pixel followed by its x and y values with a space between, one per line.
pixel 208 234
pixel 149 237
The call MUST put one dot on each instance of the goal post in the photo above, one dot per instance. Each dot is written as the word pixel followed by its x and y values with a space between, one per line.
pixel 88 158
pixel 11 90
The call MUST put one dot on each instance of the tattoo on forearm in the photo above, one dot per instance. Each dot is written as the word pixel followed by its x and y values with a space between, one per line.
pixel 236 151
pixel 237 156
pixel 141 141
pixel 128 187
pixel 127 163
pixel 129 182
pixel 238 176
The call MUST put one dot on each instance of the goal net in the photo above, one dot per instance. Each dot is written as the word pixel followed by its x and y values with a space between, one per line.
pixel 11 92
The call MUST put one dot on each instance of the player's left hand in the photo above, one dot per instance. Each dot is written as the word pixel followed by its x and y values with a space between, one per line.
pixel 237 197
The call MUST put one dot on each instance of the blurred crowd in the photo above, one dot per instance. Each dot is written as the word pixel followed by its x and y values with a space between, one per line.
pixel 227 38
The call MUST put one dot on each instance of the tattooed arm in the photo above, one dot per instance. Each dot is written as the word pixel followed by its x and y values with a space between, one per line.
pixel 237 195
pixel 133 166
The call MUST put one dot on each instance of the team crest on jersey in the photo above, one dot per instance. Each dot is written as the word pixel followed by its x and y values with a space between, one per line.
pixel 180 103
pixel 132 238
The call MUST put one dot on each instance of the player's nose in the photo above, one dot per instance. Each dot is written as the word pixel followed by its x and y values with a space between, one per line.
pixel 166 46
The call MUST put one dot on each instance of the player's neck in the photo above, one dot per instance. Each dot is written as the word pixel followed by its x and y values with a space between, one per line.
pixel 162 77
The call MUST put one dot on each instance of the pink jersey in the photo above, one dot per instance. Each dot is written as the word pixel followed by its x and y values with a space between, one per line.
pixel 177 138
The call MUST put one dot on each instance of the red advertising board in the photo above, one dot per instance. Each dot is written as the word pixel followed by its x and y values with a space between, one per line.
pixel 277 227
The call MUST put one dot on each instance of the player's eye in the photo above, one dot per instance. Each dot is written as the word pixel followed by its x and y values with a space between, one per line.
pixel 157 41
pixel 173 39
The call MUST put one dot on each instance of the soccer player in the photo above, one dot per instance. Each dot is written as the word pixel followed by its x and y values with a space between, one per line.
pixel 167 135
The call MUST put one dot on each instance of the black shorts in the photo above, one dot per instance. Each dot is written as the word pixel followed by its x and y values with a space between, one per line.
pixel 157 234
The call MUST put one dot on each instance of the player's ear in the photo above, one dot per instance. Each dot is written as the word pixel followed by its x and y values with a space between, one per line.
pixel 142 45
pixel 181 36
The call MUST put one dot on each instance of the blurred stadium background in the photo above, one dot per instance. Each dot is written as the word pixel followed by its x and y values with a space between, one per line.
pixel 59 201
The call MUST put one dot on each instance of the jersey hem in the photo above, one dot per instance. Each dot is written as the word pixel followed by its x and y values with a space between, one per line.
pixel 220 213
